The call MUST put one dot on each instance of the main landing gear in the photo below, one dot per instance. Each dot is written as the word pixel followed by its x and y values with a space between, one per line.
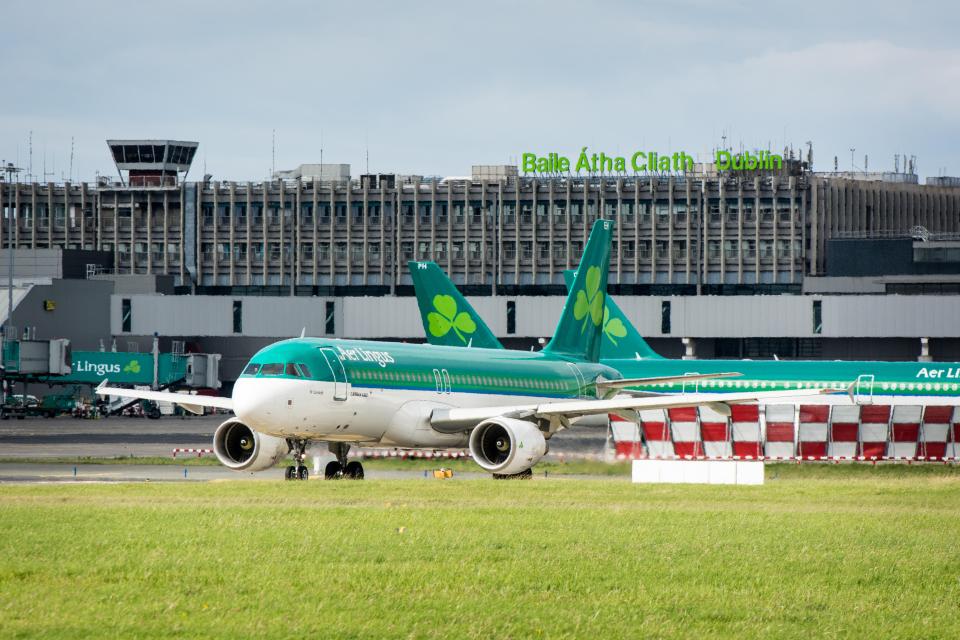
pixel 299 470
pixel 523 475
pixel 340 468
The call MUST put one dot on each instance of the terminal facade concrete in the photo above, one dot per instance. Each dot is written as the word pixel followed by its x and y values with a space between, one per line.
pixel 696 260
pixel 676 235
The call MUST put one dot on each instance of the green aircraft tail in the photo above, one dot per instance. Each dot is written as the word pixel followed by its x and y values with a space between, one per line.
pixel 580 330
pixel 620 338
pixel 448 319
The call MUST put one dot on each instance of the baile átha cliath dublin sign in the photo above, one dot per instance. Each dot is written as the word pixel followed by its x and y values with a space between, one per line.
pixel 643 162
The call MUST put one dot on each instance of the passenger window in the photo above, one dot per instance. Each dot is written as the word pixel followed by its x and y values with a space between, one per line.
pixel 292 370
pixel 251 369
pixel 272 369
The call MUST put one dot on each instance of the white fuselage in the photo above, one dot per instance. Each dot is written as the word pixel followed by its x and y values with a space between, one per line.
pixel 338 412
pixel 341 412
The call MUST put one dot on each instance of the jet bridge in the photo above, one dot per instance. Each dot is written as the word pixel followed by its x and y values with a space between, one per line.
pixel 54 362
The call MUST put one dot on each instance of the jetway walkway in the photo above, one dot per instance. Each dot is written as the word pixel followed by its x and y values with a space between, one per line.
pixel 54 362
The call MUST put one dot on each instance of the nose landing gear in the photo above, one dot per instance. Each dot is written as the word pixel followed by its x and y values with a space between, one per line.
pixel 340 468
pixel 299 470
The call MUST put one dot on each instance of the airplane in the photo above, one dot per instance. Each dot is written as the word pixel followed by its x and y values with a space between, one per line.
pixel 624 349
pixel 504 405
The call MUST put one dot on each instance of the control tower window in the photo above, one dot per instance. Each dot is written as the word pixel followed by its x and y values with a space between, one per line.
pixel 131 153
pixel 146 153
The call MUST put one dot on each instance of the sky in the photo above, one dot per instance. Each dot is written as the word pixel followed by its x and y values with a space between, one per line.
pixel 432 88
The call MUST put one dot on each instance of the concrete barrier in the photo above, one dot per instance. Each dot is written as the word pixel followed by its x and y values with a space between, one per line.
pixel 698 472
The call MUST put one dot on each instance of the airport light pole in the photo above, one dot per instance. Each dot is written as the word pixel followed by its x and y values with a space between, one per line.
pixel 11 171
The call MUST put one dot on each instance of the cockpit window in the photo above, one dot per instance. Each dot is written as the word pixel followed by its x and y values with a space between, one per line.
pixel 292 370
pixel 272 369
pixel 304 370
pixel 251 369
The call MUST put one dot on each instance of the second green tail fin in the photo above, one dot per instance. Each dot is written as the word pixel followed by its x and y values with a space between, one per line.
pixel 580 329
pixel 620 338
pixel 448 319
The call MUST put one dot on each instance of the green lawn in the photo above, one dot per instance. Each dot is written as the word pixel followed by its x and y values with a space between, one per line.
pixel 835 551
pixel 568 467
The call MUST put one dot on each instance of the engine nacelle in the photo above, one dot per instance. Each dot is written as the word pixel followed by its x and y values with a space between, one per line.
pixel 507 445
pixel 240 448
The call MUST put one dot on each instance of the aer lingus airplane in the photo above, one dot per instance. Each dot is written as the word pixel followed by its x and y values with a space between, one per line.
pixel 622 348
pixel 503 404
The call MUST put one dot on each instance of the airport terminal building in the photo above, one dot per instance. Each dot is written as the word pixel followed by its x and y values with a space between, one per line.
pixel 785 263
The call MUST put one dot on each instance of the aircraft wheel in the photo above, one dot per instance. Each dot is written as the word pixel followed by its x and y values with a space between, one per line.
pixel 523 475
pixel 354 470
pixel 303 473
pixel 290 474
pixel 333 471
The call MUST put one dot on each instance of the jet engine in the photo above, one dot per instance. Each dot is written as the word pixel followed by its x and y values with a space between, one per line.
pixel 240 448
pixel 507 446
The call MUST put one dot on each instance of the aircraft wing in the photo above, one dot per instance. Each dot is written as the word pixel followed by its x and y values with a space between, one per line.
pixel 190 402
pixel 455 420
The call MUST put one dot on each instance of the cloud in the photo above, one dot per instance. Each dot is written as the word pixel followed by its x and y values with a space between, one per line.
pixel 435 88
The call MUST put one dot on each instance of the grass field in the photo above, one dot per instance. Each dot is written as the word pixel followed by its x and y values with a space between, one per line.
pixel 820 551
pixel 567 467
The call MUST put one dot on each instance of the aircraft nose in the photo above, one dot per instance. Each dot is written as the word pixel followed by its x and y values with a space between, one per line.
pixel 249 404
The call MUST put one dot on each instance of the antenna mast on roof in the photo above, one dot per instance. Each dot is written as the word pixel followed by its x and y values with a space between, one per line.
pixel 273 152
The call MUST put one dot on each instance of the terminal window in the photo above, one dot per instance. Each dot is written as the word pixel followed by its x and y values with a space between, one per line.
pixel 330 326
pixel 511 316
pixel 238 316
pixel 126 315
pixel 665 316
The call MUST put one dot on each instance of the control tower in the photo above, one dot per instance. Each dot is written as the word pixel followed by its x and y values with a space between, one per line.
pixel 152 163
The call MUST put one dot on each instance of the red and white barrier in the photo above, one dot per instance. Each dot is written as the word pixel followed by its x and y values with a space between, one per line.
pixel 934 431
pixel 715 434
pixel 685 431
pixel 656 432
pixel 628 441
pixel 844 431
pixel 780 443
pixel 904 431
pixel 411 454
pixel 812 431
pixel 786 432
pixel 200 452
pixel 746 432
pixel 874 430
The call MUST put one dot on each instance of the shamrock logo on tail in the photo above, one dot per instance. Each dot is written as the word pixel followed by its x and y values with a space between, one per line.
pixel 613 327
pixel 132 367
pixel 446 318
pixel 590 301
